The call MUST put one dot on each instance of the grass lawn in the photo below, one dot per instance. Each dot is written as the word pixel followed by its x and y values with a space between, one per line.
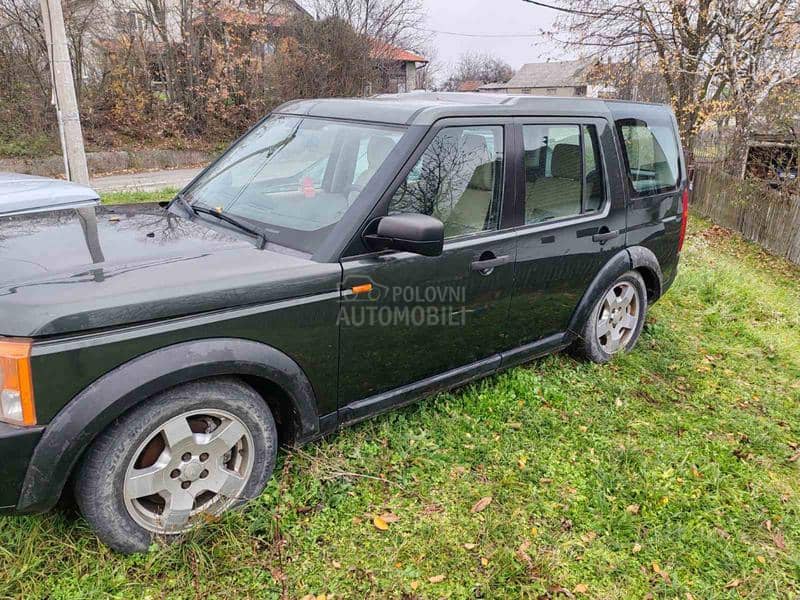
pixel 135 197
pixel 672 472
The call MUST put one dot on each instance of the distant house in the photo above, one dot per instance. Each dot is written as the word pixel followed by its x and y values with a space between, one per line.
pixel 471 85
pixel 399 68
pixel 564 78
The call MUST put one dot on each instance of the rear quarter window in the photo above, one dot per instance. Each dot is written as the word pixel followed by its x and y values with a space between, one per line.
pixel 651 155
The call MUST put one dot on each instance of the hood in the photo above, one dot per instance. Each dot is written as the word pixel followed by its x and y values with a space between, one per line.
pixel 28 193
pixel 87 269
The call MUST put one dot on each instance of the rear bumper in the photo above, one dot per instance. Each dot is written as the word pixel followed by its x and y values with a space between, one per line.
pixel 16 448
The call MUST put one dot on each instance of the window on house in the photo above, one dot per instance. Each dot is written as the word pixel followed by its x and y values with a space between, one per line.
pixel 563 172
pixel 458 180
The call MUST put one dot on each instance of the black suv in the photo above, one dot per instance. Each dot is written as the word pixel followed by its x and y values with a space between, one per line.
pixel 343 258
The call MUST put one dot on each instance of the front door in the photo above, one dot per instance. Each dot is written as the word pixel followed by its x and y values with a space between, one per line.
pixel 405 317
pixel 574 220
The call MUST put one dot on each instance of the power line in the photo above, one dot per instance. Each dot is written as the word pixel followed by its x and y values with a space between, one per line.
pixel 481 35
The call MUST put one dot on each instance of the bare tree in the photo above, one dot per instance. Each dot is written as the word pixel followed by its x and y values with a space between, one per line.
pixel 396 22
pixel 478 66
pixel 759 43
pixel 717 58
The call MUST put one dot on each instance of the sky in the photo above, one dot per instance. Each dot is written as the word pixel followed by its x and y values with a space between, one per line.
pixel 505 19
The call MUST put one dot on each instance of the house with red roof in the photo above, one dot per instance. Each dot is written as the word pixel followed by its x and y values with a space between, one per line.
pixel 398 68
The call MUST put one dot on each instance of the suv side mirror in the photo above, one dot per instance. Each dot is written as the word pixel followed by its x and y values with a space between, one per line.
pixel 411 232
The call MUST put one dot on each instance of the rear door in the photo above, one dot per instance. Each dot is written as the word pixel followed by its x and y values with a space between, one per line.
pixel 572 214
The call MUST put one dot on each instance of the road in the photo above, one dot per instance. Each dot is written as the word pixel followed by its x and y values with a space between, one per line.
pixel 149 181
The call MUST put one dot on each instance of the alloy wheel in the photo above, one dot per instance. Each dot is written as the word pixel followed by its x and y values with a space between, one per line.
pixel 618 317
pixel 196 463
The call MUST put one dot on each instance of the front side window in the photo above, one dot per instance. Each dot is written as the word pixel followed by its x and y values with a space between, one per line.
pixel 651 153
pixel 295 177
pixel 563 172
pixel 458 180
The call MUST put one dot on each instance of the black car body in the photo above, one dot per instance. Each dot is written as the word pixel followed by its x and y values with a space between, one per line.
pixel 330 331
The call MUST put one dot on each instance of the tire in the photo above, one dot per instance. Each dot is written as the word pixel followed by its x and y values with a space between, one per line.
pixel 620 338
pixel 176 442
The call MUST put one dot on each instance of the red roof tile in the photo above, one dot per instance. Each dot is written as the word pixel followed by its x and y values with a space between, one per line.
pixel 384 51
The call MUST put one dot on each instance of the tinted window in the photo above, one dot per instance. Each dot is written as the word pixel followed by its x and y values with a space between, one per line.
pixel 652 154
pixel 458 180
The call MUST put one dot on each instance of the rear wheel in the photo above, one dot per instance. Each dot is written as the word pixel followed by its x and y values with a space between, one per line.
pixel 194 451
pixel 616 320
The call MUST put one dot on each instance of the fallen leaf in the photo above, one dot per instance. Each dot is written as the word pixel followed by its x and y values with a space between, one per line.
pixel 656 568
pixel 581 588
pixel 414 585
pixel 390 517
pixel 470 546
pixel 534 531
pixel 588 537
pixel 481 504
pixel 633 509
pixel 689 596
pixel 380 524
pixel 733 584
pixel 777 539
pixel 514 425
pixel 768 524
pixel 761 559
pixel 484 562
pixel 636 548
pixel 337 564
pixel 436 579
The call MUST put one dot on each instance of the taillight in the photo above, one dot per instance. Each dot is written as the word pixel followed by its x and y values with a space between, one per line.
pixel 684 218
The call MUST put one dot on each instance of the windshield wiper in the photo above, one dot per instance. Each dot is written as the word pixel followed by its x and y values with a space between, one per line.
pixel 194 209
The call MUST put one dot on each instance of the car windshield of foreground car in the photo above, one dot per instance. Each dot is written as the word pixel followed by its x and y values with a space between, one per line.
pixel 295 177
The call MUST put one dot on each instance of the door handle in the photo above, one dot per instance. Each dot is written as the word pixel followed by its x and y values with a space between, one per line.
pixel 487 265
pixel 604 236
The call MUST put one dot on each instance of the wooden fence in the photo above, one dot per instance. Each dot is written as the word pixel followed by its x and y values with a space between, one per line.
pixel 761 214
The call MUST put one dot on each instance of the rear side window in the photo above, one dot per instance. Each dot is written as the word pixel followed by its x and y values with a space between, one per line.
pixel 651 154
pixel 563 172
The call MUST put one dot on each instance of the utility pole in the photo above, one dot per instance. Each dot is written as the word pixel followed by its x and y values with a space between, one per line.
pixel 64 99
pixel 69 119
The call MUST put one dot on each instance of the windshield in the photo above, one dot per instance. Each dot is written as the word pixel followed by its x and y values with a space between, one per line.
pixel 295 177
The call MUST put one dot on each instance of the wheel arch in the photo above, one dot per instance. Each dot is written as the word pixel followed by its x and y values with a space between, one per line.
pixel 645 262
pixel 614 267
pixel 274 375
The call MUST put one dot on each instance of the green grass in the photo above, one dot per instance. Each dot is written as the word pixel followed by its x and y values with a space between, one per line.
pixel 667 473
pixel 137 197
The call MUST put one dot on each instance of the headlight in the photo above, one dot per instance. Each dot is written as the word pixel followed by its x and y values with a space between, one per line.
pixel 16 393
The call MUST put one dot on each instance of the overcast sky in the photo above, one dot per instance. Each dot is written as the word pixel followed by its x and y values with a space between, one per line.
pixel 505 18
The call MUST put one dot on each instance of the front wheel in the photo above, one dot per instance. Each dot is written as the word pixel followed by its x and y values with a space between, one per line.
pixel 616 320
pixel 194 451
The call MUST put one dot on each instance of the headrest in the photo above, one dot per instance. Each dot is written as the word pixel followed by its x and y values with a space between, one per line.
pixel 474 148
pixel 483 178
pixel 378 149
pixel 566 161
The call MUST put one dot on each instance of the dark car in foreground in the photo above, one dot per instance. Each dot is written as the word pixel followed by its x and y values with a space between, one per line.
pixel 343 258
